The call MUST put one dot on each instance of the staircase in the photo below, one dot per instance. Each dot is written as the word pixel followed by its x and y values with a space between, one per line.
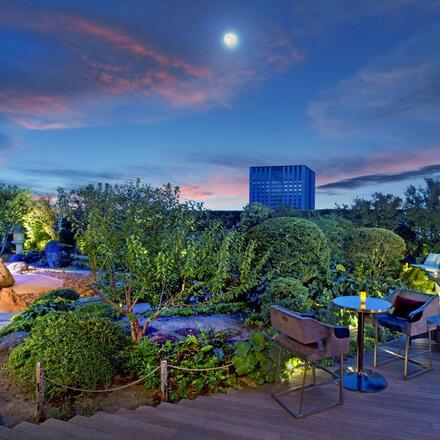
pixel 202 418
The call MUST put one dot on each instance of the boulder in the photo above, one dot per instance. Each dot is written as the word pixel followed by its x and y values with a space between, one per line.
pixel 27 288
pixel 6 278
pixel 18 267
pixel 53 254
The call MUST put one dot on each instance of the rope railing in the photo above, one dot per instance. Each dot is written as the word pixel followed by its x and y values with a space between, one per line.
pixel 164 368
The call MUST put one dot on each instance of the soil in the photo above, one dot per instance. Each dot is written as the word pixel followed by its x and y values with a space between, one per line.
pixel 16 407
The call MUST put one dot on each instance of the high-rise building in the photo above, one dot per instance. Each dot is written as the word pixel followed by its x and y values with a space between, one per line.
pixel 287 185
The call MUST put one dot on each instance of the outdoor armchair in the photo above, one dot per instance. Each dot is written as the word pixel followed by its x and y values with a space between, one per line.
pixel 311 341
pixel 411 315
pixel 430 265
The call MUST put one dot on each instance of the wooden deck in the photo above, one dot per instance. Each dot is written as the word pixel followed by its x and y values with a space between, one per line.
pixel 405 410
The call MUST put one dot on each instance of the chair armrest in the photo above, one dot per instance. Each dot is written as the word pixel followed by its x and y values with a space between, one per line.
pixel 430 308
pixel 341 332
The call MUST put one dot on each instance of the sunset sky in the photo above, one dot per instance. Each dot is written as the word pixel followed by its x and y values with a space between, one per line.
pixel 110 90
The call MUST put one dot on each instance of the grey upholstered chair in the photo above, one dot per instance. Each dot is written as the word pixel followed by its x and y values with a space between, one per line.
pixel 311 341
pixel 411 315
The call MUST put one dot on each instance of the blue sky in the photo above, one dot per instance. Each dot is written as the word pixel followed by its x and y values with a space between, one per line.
pixel 111 90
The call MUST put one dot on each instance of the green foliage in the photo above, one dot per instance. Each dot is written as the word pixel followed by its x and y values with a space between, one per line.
pixel 287 292
pixel 209 350
pixel 257 358
pixel 14 205
pixel 254 214
pixel 417 279
pixel 294 247
pixel 59 300
pixel 337 229
pixel 375 251
pixel 75 350
pixel 40 224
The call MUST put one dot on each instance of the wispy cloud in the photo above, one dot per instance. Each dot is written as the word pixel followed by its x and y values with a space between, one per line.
pixel 381 178
pixel 110 66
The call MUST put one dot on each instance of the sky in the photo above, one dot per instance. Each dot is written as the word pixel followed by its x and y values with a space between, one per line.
pixel 110 90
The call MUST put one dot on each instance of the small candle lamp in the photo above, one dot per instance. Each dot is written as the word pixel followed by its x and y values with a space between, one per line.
pixel 363 298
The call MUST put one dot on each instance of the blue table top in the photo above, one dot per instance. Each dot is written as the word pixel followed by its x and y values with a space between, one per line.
pixel 372 305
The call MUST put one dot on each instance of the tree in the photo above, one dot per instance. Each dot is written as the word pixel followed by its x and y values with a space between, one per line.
pixel 14 205
pixel 422 207
pixel 40 223
pixel 253 214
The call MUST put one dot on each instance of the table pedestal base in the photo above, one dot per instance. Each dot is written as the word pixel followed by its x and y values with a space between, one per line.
pixel 366 382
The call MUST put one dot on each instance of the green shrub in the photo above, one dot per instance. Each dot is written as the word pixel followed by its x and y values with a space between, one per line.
pixel 75 350
pixel 295 248
pixel 337 230
pixel 257 358
pixel 59 300
pixel 417 279
pixel 287 292
pixel 204 309
pixel 375 252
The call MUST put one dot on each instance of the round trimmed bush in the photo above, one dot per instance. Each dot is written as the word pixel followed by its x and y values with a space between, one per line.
pixel 375 252
pixel 294 248
pixel 75 350
pixel 287 292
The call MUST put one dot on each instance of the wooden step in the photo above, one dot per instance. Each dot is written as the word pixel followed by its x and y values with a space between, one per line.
pixel 226 429
pixel 14 434
pixel 123 427
pixel 78 431
pixel 44 431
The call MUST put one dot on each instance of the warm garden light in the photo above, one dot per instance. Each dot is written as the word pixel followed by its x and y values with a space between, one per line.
pixel 363 297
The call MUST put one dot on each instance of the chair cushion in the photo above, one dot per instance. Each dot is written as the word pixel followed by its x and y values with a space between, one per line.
pixel 308 352
pixel 392 322
pixel 402 307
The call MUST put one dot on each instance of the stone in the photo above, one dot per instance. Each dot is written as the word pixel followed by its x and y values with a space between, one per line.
pixel 6 278
pixel 8 342
pixel 27 288
pixel 53 254
pixel 18 267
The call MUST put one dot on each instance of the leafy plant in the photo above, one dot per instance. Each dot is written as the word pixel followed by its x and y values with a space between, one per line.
pixel 375 252
pixel 295 247
pixel 75 350
pixel 257 358
pixel 417 279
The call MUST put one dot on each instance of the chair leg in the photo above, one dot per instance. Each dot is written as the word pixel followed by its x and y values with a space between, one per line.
pixel 430 348
pixel 341 378
pixel 405 368
pixel 376 343
pixel 301 396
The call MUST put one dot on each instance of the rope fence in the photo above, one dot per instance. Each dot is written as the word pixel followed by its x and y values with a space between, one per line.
pixel 164 368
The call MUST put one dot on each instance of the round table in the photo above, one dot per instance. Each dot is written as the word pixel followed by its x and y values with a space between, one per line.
pixel 360 379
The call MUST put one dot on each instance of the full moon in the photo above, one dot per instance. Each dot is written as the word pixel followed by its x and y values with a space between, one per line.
pixel 230 39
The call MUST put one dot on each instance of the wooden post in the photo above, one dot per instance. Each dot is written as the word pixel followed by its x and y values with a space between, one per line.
pixel 164 381
pixel 41 400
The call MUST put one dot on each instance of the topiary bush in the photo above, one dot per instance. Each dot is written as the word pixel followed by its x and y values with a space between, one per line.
pixel 75 350
pixel 59 300
pixel 375 252
pixel 287 292
pixel 294 247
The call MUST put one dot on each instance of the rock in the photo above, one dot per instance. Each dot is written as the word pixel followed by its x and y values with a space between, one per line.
pixel 6 278
pixel 27 288
pixel 53 254
pixel 8 342
pixel 18 267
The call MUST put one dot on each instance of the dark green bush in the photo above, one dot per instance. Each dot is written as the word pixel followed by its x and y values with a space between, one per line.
pixel 375 252
pixel 75 350
pixel 287 292
pixel 205 309
pixel 59 300
pixel 296 248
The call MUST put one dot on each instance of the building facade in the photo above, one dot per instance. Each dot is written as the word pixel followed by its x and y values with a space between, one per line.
pixel 289 185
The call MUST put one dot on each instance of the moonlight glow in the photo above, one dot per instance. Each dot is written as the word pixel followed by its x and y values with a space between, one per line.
pixel 230 39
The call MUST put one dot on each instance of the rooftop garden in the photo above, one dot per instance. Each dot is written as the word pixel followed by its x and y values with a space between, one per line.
pixel 171 281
